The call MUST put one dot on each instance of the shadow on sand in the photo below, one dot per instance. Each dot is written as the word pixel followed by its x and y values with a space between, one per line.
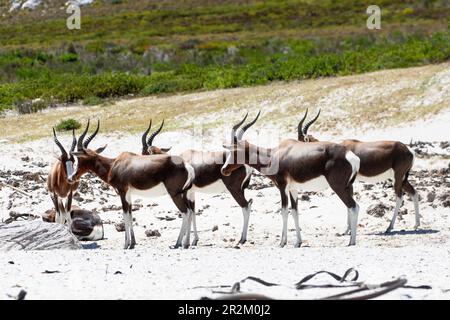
pixel 406 232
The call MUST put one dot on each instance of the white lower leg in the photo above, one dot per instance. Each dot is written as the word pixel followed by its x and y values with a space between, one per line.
pixel 58 217
pixel 394 217
pixel 187 236
pixel 182 230
pixel 126 221
pixel 246 213
pixel 284 214
pixel 194 228
pixel 298 242
pixel 416 210
pixel 348 230
pixel 353 212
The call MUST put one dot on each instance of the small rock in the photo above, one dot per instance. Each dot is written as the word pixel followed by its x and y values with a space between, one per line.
pixel 377 210
pixel 120 226
pixel 215 228
pixel 152 233
pixel 305 197
pixel 26 158
pixel 431 196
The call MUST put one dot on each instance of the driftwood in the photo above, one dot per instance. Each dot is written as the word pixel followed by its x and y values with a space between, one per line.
pixel 15 189
pixel 36 235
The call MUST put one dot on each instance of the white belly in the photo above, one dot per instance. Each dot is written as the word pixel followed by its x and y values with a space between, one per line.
pixel 388 174
pixel 157 191
pixel 317 184
pixel 213 188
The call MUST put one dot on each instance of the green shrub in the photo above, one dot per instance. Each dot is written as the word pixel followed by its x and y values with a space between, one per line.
pixel 68 124
pixel 68 57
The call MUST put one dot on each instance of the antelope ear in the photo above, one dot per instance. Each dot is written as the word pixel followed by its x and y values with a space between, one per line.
pixel 165 150
pixel 101 149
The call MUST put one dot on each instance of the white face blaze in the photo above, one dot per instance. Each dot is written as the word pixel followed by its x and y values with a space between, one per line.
pixel 72 168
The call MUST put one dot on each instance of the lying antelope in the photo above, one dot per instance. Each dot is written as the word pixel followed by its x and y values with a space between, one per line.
pixel 86 225
pixel 208 178
pixel 61 190
pixel 380 160
pixel 297 165
pixel 136 175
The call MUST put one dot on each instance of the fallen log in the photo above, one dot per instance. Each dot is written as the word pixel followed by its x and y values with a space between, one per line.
pixel 36 235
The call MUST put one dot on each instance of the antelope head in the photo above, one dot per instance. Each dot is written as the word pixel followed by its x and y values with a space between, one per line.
pixel 86 157
pixel 303 131
pixel 67 159
pixel 147 144
pixel 238 149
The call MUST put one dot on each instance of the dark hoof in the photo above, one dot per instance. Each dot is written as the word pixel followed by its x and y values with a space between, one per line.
pixel 297 245
pixel 194 243
pixel 176 246
pixel 242 241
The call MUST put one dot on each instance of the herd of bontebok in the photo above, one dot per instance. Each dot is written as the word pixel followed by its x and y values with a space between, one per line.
pixel 306 164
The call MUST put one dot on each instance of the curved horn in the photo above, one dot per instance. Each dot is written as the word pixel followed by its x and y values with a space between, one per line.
pixel 92 136
pixel 154 134
pixel 144 137
pixel 81 138
pixel 300 126
pixel 74 141
pixel 248 125
pixel 305 130
pixel 63 151
pixel 235 127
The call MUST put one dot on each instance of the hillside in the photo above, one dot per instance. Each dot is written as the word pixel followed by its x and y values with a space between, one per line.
pixel 151 47
pixel 349 104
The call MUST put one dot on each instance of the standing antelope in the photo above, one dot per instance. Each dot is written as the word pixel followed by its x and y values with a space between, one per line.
pixel 61 190
pixel 136 175
pixel 380 160
pixel 208 178
pixel 297 165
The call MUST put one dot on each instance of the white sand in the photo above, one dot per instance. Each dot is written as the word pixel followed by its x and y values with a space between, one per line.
pixel 153 270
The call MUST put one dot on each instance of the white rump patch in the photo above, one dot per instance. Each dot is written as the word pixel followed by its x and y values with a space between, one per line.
pixel 191 175
pixel 354 162
pixel 157 191
pixel 95 235
pixel 317 184
pixel 388 174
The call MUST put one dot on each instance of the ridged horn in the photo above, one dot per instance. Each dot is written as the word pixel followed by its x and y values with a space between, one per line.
pixel 92 136
pixel 300 126
pixel 236 127
pixel 74 141
pixel 305 130
pixel 63 151
pixel 81 138
pixel 154 134
pixel 144 138
pixel 242 130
